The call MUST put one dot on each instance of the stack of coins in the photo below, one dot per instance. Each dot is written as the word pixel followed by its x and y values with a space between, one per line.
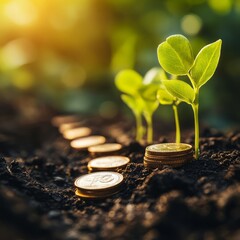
pixel 108 163
pixel 98 184
pixel 105 149
pixel 172 154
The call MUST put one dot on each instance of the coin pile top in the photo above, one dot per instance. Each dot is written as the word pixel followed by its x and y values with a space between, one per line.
pixel 76 133
pixel 99 184
pixel 169 148
pixel 173 154
pixel 85 142
pixel 108 163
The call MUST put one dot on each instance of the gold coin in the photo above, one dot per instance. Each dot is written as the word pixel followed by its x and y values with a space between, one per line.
pixel 166 161
pixel 85 142
pixel 99 181
pixel 76 133
pixel 168 148
pixel 81 194
pixel 108 163
pixel 66 126
pixel 168 158
pixel 169 155
pixel 105 148
pixel 58 120
pixel 101 191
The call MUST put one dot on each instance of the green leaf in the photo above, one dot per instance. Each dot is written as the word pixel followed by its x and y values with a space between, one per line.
pixel 128 81
pixel 134 104
pixel 206 63
pixel 149 92
pixel 154 75
pixel 180 90
pixel 164 97
pixel 175 55
pixel 149 107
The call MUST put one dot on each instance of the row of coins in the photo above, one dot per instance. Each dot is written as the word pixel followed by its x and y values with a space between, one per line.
pixel 104 181
pixel 172 154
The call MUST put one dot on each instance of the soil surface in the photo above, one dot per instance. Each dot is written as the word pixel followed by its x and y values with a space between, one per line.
pixel 200 200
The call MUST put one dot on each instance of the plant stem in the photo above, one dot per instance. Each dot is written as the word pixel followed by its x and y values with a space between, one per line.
pixel 191 80
pixel 178 133
pixel 138 127
pixel 195 112
pixel 196 124
pixel 149 129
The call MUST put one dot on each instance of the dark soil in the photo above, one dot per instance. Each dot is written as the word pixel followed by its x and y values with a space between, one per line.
pixel 37 169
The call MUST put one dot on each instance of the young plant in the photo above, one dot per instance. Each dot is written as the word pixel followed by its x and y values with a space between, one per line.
pixel 138 99
pixel 129 82
pixel 155 77
pixel 176 57
pixel 150 105
pixel 165 98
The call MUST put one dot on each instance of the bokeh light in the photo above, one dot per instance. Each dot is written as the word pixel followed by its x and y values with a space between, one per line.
pixel 67 53
pixel 17 53
pixel 21 12
pixel 191 24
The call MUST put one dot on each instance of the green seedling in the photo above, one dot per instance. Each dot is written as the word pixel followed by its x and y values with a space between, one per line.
pixel 176 57
pixel 138 98
pixel 150 104
pixel 135 104
pixel 155 77
pixel 165 98
pixel 129 82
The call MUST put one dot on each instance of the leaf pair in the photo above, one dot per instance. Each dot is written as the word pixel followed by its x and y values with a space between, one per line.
pixel 176 57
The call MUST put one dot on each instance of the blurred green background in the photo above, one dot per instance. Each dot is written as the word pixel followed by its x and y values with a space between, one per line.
pixel 66 53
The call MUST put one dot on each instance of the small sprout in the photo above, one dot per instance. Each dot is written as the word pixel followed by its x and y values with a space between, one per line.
pixel 129 82
pixel 175 56
pixel 165 98
pixel 155 76
pixel 140 96
pixel 150 105
pixel 135 104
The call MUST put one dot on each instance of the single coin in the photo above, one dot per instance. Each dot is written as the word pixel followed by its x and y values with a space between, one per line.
pixel 58 120
pixel 169 155
pixel 168 158
pixel 105 148
pixel 66 126
pixel 160 165
pixel 99 181
pixel 101 191
pixel 167 161
pixel 168 148
pixel 81 194
pixel 108 163
pixel 77 133
pixel 85 142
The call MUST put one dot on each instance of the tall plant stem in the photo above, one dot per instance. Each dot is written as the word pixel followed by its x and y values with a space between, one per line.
pixel 178 132
pixel 196 124
pixel 195 112
pixel 149 129
pixel 139 129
